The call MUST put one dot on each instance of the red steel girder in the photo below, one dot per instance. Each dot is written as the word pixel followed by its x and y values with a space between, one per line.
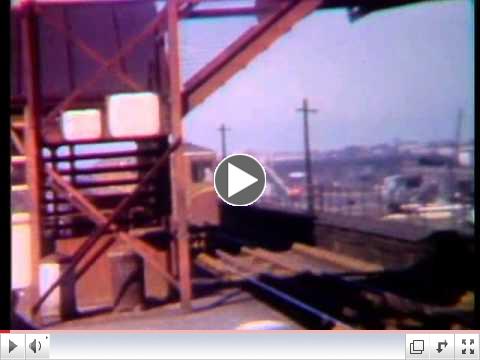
pixel 243 50
pixel 255 40
pixel 158 24
pixel 103 223
pixel 33 142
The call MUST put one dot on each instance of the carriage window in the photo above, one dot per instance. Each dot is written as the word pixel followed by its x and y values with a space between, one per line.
pixel 201 171
pixel 413 182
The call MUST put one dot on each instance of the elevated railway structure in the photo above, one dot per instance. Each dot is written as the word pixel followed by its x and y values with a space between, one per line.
pixel 76 54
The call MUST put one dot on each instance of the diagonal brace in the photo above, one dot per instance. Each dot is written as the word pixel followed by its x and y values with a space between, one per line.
pixel 17 142
pixel 92 53
pixel 158 24
pixel 105 223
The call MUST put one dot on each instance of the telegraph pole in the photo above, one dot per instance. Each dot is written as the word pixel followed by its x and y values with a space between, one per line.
pixel 223 134
pixel 456 152
pixel 458 135
pixel 306 110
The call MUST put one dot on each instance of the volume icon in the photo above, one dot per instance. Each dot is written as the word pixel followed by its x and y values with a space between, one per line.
pixel 35 346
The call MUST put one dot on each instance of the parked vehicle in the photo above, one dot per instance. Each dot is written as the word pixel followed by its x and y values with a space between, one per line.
pixel 402 189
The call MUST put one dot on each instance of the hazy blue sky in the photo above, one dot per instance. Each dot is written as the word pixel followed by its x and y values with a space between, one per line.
pixel 397 73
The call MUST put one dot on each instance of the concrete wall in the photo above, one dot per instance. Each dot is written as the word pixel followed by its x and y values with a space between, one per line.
pixel 273 229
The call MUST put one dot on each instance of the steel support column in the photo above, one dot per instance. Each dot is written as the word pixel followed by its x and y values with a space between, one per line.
pixel 33 146
pixel 179 163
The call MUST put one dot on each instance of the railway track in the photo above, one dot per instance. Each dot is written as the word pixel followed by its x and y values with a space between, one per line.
pixel 231 268
pixel 321 289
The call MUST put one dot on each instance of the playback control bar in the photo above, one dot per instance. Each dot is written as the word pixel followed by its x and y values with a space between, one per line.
pixel 236 345
pixel 25 346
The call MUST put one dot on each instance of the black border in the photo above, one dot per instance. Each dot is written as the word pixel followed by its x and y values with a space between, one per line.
pixel 477 200
pixel 5 215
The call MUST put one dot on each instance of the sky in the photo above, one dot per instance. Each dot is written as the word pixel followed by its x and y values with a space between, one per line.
pixel 400 73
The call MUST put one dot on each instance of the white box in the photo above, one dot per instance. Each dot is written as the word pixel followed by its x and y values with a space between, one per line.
pixel 21 244
pixel 83 124
pixel 61 302
pixel 133 114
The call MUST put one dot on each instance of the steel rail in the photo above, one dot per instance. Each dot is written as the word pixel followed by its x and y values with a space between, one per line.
pixel 386 297
pixel 233 266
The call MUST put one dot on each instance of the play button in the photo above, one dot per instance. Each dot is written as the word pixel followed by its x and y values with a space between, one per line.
pixel 11 346
pixel 239 180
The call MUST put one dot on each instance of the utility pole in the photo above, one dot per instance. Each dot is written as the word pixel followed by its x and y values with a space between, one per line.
pixel 306 110
pixel 458 134
pixel 456 152
pixel 223 134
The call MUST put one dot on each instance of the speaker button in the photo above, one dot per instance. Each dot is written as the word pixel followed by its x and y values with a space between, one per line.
pixel 37 346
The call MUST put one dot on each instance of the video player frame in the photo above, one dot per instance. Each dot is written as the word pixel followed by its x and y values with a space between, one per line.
pixel 358 210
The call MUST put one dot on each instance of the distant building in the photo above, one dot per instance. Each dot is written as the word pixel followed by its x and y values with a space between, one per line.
pixel 414 148
pixel 445 150
pixel 466 156
pixel 355 151
pixel 381 150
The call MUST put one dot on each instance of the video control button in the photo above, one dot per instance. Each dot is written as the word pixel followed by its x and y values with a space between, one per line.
pixel 442 346
pixel 240 180
pixel 13 346
pixel 417 346
pixel 37 346
pixel 466 346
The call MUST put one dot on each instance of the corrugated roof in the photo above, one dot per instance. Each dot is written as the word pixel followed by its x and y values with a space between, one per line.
pixel 193 148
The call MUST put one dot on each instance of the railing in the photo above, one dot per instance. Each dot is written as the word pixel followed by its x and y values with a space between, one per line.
pixel 368 202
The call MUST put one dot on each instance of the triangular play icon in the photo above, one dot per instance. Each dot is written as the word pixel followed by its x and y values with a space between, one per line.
pixel 11 346
pixel 238 180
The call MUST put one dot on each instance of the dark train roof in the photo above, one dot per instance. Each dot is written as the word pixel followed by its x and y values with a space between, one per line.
pixel 104 26
pixel 193 148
